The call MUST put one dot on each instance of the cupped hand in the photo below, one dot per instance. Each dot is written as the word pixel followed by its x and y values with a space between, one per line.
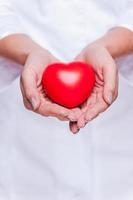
pixel 106 86
pixel 34 97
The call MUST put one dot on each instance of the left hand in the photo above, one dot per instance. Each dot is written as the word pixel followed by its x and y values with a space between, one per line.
pixel 34 97
pixel 106 86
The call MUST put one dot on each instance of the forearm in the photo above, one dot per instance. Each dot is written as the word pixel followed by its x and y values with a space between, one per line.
pixel 17 47
pixel 118 41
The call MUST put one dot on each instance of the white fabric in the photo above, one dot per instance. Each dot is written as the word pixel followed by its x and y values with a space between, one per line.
pixel 39 157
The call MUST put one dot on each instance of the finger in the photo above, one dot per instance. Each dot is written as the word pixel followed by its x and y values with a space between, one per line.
pixel 88 105
pixel 58 111
pixel 73 123
pixel 81 121
pixel 116 89
pixel 29 83
pixel 85 106
pixel 48 108
pixel 75 114
pixel 110 78
pixel 73 127
pixel 80 118
pixel 95 111
pixel 68 114
pixel 91 100
pixel 25 101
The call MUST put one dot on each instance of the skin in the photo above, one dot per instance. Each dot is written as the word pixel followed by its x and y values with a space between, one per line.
pixel 106 86
pixel 21 49
pixel 101 54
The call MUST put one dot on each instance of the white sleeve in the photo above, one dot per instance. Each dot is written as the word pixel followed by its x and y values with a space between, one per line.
pixel 9 24
pixel 126 16
pixel 9 20
pixel 125 63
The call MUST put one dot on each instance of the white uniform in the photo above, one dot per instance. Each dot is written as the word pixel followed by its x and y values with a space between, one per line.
pixel 39 158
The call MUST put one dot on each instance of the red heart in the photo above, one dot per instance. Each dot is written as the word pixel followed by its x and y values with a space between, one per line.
pixel 68 84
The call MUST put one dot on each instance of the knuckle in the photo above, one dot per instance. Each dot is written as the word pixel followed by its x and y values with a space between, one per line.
pixel 63 112
pixel 44 112
pixel 28 94
pixel 87 117
pixel 91 115
pixel 61 118
pixel 47 110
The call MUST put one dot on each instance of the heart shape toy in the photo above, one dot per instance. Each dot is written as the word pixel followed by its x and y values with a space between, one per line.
pixel 68 84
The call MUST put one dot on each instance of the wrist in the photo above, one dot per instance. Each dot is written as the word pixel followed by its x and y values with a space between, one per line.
pixel 40 52
pixel 97 54
pixel 118 41
pixel 37 59
pixel 107 44
pixel 96 47
pixel 18 47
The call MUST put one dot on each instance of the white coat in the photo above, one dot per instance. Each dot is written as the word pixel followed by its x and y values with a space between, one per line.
pixel 39 158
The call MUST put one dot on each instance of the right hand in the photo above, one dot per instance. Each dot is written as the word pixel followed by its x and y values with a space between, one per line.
pixel 33 94
pixel 105 90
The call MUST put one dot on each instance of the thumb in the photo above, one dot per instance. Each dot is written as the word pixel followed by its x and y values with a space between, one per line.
pixel 110 79
pixel 29 83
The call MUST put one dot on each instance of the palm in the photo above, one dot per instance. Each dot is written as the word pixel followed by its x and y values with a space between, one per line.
pixel 31 85
pixel 95 104
pixel 46 104
pixel 105 69
pixel 91 108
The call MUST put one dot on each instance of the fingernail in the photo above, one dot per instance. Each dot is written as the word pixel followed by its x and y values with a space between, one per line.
pixel 75 132
pixel 33 103
pixel 110 98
